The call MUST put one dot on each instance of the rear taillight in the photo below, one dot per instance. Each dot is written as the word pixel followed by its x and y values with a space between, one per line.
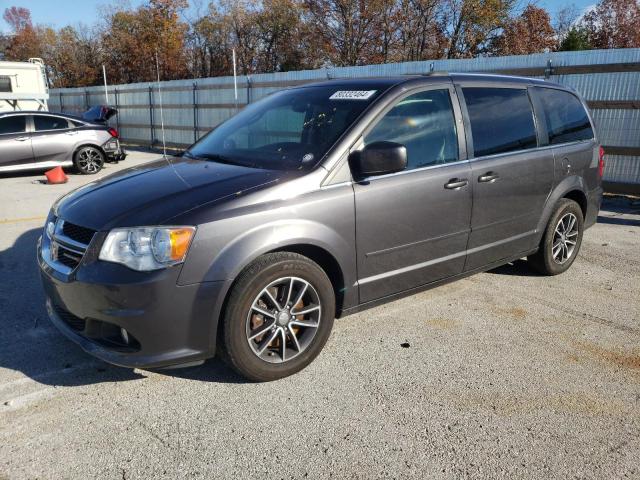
pixel 601 163
pixel 113 132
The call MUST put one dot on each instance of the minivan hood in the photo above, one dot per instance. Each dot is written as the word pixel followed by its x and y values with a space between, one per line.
pixel 153 193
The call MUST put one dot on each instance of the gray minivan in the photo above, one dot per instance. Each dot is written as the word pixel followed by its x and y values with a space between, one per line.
pixel 313 203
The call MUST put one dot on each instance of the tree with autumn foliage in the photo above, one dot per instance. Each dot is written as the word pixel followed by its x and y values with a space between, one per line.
pixel 421 35
pixel 348 31
pixel 529 32
pixel 285 35
pixel 26 41
pixel 613 24
pixel 132 38
pixel 472 26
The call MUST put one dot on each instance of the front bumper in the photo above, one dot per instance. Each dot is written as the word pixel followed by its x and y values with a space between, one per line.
pixel 132 319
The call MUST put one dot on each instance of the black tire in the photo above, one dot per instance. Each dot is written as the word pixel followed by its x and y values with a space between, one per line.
pixel 88 160
pixel 233 340
pixel 544 260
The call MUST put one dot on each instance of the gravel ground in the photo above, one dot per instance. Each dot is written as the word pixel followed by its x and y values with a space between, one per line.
pixel 503 375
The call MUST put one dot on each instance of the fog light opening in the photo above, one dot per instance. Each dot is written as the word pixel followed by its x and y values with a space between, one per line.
pixel 125 336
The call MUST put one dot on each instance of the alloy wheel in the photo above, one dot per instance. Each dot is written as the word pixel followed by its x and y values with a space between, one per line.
pixel 89 160
pixel 283 319
pixel 565 238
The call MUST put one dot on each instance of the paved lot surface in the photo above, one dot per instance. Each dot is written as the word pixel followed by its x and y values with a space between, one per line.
pixel 502 375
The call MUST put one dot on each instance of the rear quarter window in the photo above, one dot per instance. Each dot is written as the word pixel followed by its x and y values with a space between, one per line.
pixel 42 122
pixel 501 120
pixel 565 116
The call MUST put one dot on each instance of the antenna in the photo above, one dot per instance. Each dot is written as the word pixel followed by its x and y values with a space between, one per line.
pixel 164 145
pixel 235 79
pixel 106 92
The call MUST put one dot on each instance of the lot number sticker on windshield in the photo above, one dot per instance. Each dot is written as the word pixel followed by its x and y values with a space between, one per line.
pixel 352 95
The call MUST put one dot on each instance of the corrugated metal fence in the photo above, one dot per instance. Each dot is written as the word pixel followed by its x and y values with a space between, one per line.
pixel 608 79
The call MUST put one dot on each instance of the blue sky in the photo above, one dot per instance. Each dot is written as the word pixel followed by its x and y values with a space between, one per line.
pixel 59 13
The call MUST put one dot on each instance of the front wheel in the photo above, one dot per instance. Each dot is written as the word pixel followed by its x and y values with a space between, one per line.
pixel 278 318
pixel 88 160
pixel 561 241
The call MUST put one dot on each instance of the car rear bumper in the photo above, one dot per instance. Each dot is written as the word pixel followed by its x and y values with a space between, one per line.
pixel 144 321
pixel 594 201
pixel 117 156
pixel 114 151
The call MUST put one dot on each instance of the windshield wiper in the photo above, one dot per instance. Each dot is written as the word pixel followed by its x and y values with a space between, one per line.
pixel 216 157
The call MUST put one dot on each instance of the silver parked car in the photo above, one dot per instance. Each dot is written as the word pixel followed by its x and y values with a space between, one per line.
pixel 36 140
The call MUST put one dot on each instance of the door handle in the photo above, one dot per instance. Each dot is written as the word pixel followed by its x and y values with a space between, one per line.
pixel 72 132
pixel 21 139
pixel 456 183
pixel 488 177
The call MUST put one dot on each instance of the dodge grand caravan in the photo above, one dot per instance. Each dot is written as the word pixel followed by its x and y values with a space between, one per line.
pixel 314 203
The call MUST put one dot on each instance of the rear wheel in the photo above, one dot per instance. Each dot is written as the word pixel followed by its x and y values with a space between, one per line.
pixel 88 160
pixel 561 241
pixel 278 317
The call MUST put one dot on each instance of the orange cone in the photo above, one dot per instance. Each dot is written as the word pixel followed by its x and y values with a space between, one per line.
pixel 56 175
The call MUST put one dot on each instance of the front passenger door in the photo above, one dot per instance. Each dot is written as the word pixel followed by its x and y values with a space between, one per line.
pixel 412 226
pixel 15 141
pixel 52 139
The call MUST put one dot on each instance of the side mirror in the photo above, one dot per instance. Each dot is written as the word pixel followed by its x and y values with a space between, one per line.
pixel 378 158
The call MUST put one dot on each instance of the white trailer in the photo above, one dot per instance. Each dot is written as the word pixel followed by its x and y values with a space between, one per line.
pixel 23 86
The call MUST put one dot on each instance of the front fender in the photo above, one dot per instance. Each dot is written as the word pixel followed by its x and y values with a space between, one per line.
pixel 235 256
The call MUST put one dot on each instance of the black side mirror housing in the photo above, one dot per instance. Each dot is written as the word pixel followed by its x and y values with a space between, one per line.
pixel 378 158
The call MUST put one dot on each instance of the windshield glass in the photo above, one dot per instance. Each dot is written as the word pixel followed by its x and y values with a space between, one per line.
pixel 289 130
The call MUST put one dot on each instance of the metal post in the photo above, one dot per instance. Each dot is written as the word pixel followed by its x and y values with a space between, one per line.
pixel 195 112
pixel 235 80
pixel 549 70
pixel 118 115
pixel 151 114
pixel 106 91
pixel 248 89
pixel 61 103
pixel 86 99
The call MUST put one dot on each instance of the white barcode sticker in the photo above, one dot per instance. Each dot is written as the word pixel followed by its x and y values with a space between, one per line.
pixel 352 95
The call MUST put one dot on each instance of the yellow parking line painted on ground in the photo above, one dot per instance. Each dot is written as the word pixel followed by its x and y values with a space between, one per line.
pixel 20 220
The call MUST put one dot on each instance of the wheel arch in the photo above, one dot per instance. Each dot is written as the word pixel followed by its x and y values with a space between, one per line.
pixel 334 253
pixel 327 262
pixel 77 148
pixel 572 188
pixel 580 198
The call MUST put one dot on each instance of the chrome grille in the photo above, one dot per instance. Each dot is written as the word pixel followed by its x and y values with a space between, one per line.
pixel 68 245
pixel 77 233
pixel 68 257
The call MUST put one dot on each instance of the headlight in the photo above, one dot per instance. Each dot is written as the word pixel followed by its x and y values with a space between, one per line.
pixel 50 228
pixel 147 248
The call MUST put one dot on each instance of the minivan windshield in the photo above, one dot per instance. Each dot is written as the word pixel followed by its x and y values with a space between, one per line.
pixel 289 130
